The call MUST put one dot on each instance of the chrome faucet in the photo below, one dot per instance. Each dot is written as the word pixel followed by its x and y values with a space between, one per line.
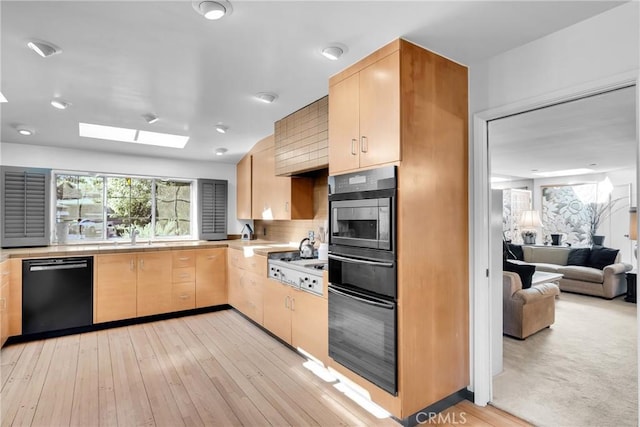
pixel 134 233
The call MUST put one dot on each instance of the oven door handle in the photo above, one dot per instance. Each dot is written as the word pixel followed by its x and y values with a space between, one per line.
pixel 364 300
pixel 360 261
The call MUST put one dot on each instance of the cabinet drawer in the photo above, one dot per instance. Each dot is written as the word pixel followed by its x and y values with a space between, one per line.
pixel 183 259
pixel 183 296
pixel 256 264
pixel 253 263
pixel 181 275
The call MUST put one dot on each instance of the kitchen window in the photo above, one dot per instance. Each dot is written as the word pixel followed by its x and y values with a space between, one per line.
pixel 107 207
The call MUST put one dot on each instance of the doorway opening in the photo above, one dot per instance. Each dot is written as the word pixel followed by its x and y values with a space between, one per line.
pixel 542 161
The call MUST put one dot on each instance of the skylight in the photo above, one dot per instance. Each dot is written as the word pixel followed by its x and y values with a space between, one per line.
pixel 2 98
pixel 566 172
pixel 133 136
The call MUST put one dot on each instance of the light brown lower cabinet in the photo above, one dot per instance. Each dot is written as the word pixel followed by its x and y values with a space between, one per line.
pixel 115 287
pixel 297 317
pixel 247 279
pixel 246 291
pixel 5 273
pixel 211 277
pixel 154 283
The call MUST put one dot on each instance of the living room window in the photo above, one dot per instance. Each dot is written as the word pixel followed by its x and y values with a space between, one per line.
pixel 94 208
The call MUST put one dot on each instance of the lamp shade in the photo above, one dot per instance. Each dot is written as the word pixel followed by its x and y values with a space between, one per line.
pixel 633 223
pixel 530 219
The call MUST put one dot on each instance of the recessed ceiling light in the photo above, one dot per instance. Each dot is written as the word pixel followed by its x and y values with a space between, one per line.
pixel 43 49
pixel 222 128
pixel 221 151
pixel 267 97
pixel 332 52
pixel 212 10
pixel 2 98
pixel 150 118
pixel 59 104
pixel 24 131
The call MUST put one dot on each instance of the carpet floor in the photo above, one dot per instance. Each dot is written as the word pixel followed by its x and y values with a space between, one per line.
pixel 582 371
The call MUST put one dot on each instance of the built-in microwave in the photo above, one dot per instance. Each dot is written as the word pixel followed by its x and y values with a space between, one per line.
pixel 362 209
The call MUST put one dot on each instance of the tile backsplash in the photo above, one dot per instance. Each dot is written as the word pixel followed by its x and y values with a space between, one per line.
pixel 295 231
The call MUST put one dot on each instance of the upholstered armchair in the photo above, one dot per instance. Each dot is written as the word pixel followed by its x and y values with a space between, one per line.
pixel 526 311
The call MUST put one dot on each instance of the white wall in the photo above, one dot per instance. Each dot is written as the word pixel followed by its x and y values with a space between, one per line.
pixel 592 50
pixel 576 58
pixel 79 160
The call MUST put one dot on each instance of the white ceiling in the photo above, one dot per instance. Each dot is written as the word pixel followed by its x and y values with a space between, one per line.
pixel 121 60
pixel 598 133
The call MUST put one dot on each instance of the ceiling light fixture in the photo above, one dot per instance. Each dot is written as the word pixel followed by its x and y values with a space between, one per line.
pixel 59 104
pixel 24 131
pixel 266 97
pixel 43 49
pixel 222 128
pixel 2 98
pixel 150 118
pixel 220 151
pixel 332 52
pixel 212 10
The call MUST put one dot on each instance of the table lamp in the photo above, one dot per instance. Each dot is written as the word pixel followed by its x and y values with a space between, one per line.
pixel 529 221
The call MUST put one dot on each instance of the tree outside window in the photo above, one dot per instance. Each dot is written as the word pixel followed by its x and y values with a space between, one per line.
pixel 155 207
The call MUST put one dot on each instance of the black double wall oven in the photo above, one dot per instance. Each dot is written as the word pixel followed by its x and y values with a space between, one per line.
pixel 363 274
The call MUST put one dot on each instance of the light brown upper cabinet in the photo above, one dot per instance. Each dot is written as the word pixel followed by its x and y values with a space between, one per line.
pixel 364 114
pixel 277 197
pixel 243 180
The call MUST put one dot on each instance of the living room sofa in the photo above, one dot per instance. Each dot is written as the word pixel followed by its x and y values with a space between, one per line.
pixel 526 311
pixel 582 268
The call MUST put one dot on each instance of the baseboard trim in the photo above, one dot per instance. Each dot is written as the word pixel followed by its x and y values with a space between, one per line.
pixel 113 324
pixel 423 416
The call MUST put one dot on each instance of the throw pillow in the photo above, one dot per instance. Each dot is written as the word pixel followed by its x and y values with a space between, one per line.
pixel 516 250
pixel 601 257
pixel 579 256
pixel 525 271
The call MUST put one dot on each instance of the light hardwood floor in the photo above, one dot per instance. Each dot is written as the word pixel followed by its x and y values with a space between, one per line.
pixel 210 369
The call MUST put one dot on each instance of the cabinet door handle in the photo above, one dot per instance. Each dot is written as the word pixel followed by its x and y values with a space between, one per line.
pixel 293 304
pixel 184 258
pixel 3 306
pixel 141 264
pixel 286 301
pixel 353 147
pixel 184 296
pixel 132 265
pixel 184 275
pixel 5 273
pixel 212 256
pixel 364 144
pixel 286 206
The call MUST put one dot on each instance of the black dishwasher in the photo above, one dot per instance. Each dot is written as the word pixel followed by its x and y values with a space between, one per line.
pixel 57 294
